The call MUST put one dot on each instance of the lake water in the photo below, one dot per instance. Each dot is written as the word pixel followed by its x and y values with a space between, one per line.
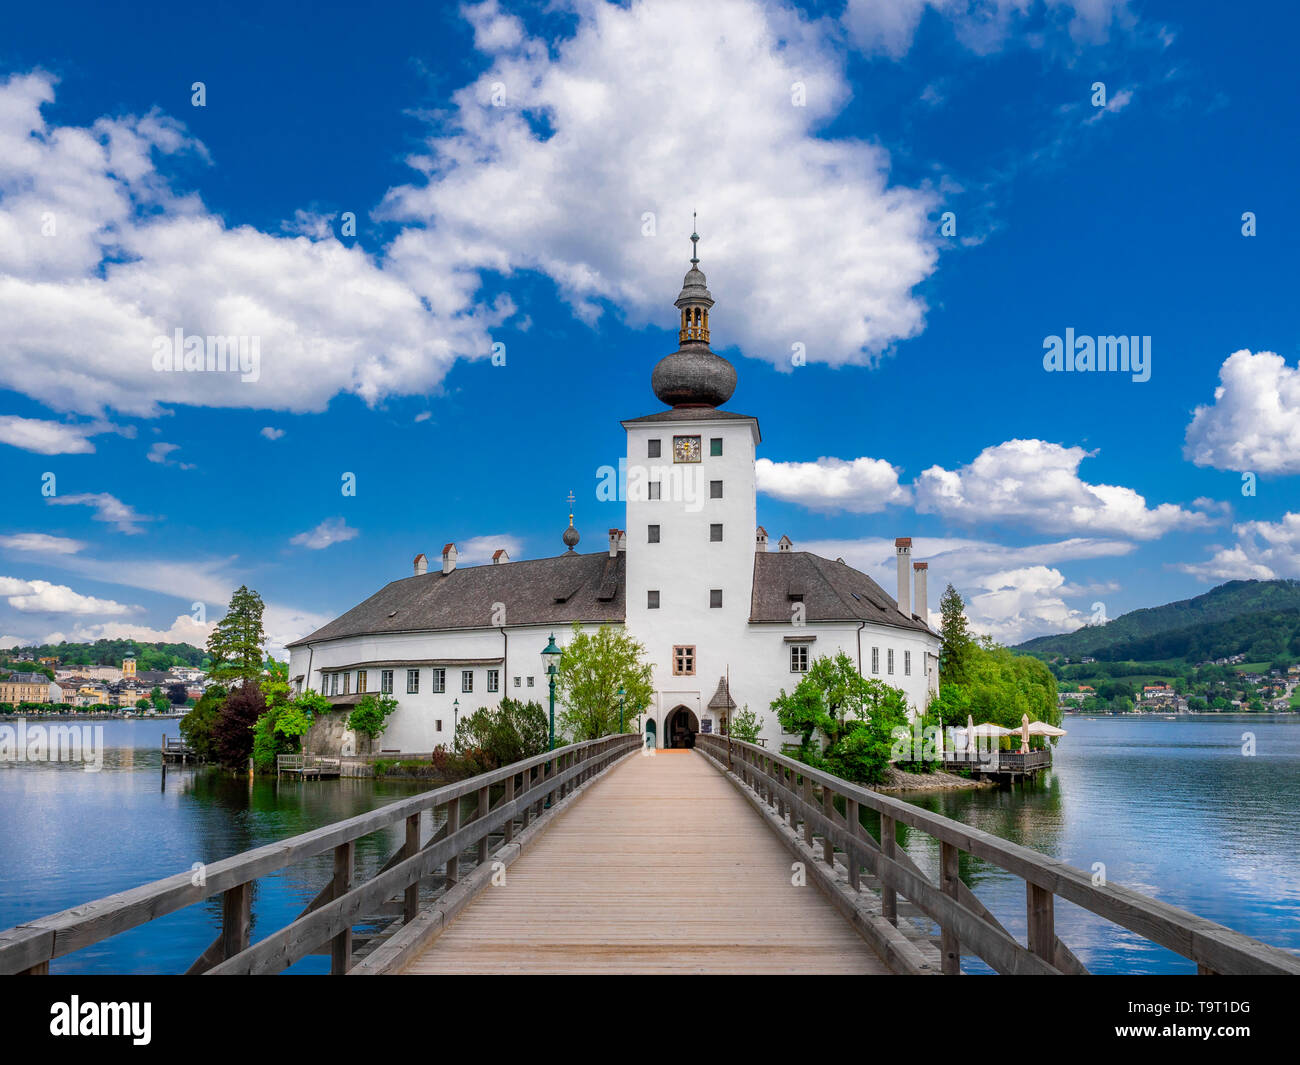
pixel 1172 808
pixel 70 836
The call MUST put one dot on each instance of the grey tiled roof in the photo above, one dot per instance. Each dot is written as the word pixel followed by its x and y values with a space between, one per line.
pixel 691 414
pixel 592 587
pixel 832 591
pixel 544 591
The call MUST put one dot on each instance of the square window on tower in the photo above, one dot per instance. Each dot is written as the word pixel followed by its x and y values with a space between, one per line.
pixel 715 597
pixel 715 533
pixel 652 534
pixel 652 449
pixel 652 599
pixel 715 489
pixel 653 487
pixel 715 446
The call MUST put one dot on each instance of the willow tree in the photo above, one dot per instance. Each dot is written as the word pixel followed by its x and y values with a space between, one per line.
pixel 236 643
pixel 593 668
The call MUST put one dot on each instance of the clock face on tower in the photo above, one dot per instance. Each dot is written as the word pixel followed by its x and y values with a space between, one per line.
pixel 686 449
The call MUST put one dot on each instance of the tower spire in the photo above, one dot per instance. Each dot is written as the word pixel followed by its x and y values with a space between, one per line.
pixel 695 242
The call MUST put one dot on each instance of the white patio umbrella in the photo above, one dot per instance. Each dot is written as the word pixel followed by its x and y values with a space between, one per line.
pixel 1024 733
pixel 1042 728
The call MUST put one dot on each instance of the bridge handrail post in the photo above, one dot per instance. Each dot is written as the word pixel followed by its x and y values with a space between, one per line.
pixel 949 944
pixel 411 904
pixel 344 865
pixel 889 848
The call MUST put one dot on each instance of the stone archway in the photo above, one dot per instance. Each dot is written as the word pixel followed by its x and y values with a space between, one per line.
pixel 681 727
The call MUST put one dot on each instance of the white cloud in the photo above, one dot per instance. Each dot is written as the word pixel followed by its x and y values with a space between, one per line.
pixel 478 549
pixel 1012 593
pixel 42 597
pixel 887 27
pixel 130 259
pixel 327 533
pixel 42 543
pixel 860 486
pixel 1264 551
pixel 1018 604
pixel 183 630
pixel 108 509
pixel 159 453
pixel 1114 104
pixel 1254 422
pixel 49 437
pixel 1036 484
pixel 805 240
pixel 272 433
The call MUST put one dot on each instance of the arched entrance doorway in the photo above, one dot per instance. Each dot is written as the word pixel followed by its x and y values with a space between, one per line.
pixel 680 728
pixel 651 733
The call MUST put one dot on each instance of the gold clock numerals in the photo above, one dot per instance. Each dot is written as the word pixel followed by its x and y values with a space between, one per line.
pixel 686 449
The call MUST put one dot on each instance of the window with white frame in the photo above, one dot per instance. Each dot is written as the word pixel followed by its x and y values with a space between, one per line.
pixel 799 658
pixel 439 684
pixel 493 680
pixel 907 663
pixel 466 680
pixel 385 682
pixel 875 660
pixel 890 660
pixel 347 677
pixel 361 681
pixel 412 682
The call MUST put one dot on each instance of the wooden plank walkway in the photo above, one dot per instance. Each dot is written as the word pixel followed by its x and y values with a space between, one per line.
pixel 661 868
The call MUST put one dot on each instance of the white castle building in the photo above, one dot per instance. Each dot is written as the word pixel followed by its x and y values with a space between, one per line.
pixel 725 621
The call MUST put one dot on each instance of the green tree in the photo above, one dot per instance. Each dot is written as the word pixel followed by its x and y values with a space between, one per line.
pixel 498 735
pixel 593 667
pixel 745 725
pixel 958 645
pixel 846 720
pixel 370 716
pixel 235 645
pixel 196 726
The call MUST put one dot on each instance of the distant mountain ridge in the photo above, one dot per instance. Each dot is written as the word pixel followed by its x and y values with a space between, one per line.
pixel 1250 613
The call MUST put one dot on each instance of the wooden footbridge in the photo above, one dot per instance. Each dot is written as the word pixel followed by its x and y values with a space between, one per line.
pixel 600 857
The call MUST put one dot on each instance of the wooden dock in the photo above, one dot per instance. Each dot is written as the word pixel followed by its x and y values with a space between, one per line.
pixel 176 751
pixel 307 767
pixel 1007 767
pixel 661 868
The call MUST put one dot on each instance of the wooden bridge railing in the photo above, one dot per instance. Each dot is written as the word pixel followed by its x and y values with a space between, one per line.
pixel 828 807
pixel 519 792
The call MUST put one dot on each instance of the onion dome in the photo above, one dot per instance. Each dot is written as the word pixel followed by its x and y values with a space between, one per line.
pixel 571 536
pixel 693 376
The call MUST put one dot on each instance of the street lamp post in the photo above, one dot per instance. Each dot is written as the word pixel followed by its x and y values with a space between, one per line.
pixel 455 719
pixel 621 694
pixel 552 653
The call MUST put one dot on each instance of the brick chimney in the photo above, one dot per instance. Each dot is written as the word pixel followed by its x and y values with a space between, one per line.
pixel 448 558
pixel 760 540
pixel 500 555
pixel 421 564
pixel 920 569
pixel 903 548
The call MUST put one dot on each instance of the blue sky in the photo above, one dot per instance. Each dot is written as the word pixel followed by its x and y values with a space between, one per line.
pixel 524 175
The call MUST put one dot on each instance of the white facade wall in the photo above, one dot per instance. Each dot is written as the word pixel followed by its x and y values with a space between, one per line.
pixel 684 566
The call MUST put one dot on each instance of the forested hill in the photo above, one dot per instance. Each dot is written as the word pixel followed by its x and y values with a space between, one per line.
pixel 158 656
pixel 1240 617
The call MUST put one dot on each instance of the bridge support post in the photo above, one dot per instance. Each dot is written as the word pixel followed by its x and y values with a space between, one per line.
pixel 854 819
pixel 411 904
pixel 453 826
pixel 341 944
pixel 888 847
pixel 949 878
pixel 1040 910
pixel 236 917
